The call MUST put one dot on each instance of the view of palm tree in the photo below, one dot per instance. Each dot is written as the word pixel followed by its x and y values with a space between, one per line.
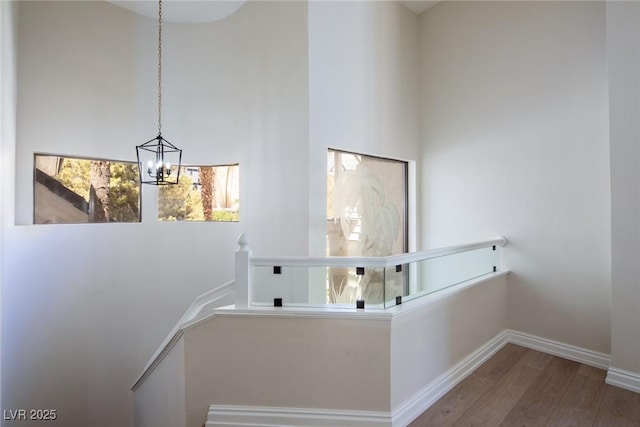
pixel 72 190
pixel 76 190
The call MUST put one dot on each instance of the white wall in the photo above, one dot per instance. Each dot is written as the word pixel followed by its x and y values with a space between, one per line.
pixel 288 361
pixel 8 20
pixel 449 326
pixel 385 363
pixel 623 49
pixel 161 398
pixel 85 306
pixel 515 142
pixel 363 71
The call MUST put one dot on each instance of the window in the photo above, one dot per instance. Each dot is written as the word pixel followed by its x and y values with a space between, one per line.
pixel 366 216
pixel 204 193
pixel 71 190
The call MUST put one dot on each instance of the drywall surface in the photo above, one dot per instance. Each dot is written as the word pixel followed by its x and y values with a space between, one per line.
pixel 363 75
pixel 85 306
pixel 623 52
pixel 515 142
pixel 431 340
pixel 287 361
pixel 160 399
pixel 8 99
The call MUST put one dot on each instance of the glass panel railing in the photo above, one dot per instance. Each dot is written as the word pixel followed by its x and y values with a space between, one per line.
pixel 318 286
pixel 431 275
pixel 294 285
pixel 397 283
pixel 378 282
pixel 349 285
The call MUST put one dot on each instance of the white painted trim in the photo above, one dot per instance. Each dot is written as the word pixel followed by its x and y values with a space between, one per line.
pixel 223 415
pixel 412 205
pixel 426 397
pixel 204 308
pixel 430 298
pixel 380 262
pixel 200 309
pixel 623 379
pixel 307 312
pixel 423 399
pixel 244 291
pixel 566 351
pixel 350 312
pixel 253 416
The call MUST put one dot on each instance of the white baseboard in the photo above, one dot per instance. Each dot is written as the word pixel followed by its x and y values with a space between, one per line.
pixel 422 400
pixel 426 397
pixel 256 416
pixel 251 416
pixel 623 379
pixel 566 351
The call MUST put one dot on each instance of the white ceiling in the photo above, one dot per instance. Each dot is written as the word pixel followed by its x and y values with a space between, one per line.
pixel 200 11
pixel 419 6
pixel 186 11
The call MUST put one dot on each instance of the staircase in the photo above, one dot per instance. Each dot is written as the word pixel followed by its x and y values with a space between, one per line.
pixel 318 366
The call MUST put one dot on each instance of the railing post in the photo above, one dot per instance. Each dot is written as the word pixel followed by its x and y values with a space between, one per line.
pixel 243 273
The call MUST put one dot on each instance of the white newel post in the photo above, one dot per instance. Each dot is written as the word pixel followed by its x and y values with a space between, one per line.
pixel 243 269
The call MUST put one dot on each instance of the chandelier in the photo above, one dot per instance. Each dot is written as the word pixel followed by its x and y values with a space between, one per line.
pixel 158 159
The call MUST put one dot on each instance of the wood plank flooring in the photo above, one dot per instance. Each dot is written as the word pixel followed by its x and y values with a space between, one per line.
pixel 519 387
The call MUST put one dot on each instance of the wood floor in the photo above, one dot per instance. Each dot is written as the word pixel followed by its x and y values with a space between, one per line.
pixel 519 387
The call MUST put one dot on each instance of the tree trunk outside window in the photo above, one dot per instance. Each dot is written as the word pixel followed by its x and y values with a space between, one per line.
pixel 99 201
pixel 207 176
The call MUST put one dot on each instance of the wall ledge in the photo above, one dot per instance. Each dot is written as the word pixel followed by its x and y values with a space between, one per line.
pixel 203 309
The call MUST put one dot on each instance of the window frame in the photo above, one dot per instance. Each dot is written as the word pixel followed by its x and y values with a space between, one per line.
pixel 184 172
pixel 87 158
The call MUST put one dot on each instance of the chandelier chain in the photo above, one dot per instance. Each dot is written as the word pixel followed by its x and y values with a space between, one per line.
pixel 159 161
pixel 159 67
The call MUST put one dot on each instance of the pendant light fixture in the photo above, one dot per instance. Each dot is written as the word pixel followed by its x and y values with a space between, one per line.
pixel 158 159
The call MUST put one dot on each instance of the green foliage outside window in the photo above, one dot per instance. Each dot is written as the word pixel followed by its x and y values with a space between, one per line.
pixel 180 202
pixel 75 174
pixel 74 190
pixel 204 193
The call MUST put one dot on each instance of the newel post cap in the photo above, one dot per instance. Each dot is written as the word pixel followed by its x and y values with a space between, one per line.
pixel 243 242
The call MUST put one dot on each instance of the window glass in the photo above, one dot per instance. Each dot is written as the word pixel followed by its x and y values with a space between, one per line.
pixel 204 193
pixel 366 216
pixel 71 190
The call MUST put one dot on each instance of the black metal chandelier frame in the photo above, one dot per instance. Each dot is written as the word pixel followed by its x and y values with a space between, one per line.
pixel 159 161
pixel 159 170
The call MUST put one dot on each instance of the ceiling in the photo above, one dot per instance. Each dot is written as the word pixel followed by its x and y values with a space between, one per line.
pixel 185 11
pixel 419 6
pixel 199 11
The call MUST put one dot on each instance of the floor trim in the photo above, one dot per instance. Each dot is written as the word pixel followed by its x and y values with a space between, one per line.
pixel 423 399
pixel 254 416
pixel 566 351
pixel 250 416
pixel 623 379
pixel 426 397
